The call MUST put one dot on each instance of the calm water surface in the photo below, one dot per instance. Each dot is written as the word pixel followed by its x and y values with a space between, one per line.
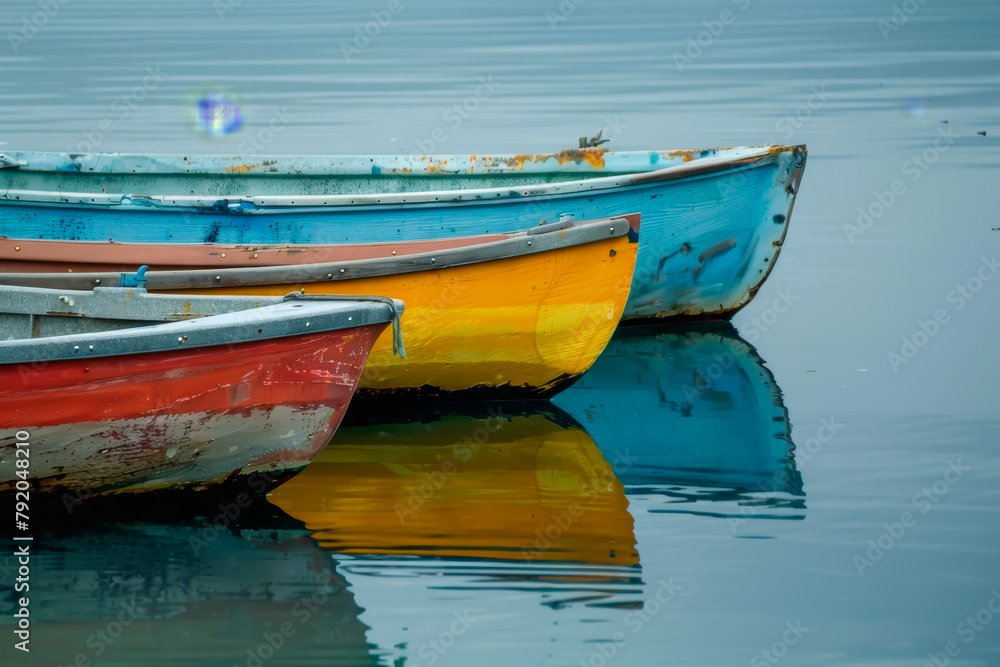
pixel 686 503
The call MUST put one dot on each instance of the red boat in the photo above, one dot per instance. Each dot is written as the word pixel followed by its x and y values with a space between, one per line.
pixel 117 390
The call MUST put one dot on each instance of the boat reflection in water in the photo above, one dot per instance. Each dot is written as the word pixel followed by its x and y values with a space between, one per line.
pixel 440 519
pixel 691 415
pixel 509 484
pixel 193 593
pixel 410 530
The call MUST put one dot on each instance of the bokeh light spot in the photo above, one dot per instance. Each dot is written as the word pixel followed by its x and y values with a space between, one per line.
pixel 219 113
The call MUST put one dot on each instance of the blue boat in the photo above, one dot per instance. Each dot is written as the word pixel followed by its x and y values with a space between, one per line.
pixel 714 220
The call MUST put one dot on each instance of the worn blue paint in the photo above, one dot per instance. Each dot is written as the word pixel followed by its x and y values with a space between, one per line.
pixel 689 413
pixel 729 213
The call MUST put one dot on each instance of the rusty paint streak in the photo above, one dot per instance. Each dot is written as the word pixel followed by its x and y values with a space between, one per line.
pixel 686 154
pixel 592 156
pixel 243 168
pixel 778 150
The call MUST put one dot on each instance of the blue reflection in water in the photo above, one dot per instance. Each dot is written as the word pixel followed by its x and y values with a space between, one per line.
pixel 693 415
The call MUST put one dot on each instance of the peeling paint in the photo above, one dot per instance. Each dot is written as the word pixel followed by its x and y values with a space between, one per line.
pixel 175 451
pixel 592 156
pixel 243 168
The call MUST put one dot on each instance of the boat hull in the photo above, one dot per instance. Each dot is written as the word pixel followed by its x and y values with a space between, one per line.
pixel 516 328
pixel 711 234
pixel 249 413
pixel 517 317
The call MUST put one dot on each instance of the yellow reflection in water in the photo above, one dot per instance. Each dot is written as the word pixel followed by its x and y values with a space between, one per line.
pixel 532 487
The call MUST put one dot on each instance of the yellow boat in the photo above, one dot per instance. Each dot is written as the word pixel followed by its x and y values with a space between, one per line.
pixel 517 315
pixel 526 486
